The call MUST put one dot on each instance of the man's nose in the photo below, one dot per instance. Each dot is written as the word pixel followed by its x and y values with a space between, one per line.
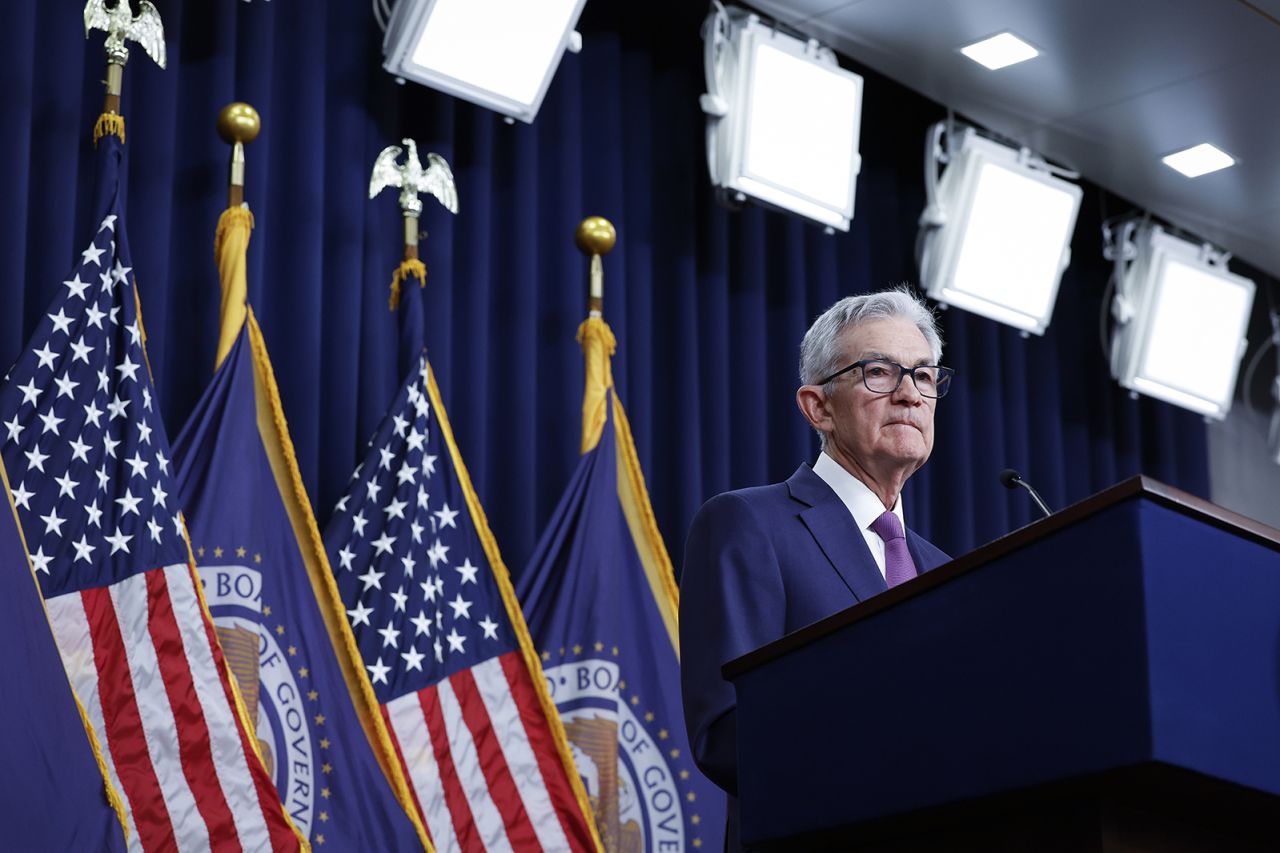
pixel 907 392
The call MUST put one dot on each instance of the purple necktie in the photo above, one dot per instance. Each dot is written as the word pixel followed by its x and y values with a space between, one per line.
pixel 898 565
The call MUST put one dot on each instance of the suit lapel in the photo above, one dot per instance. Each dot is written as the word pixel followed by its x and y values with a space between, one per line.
pixel 832 527
pixel 917 553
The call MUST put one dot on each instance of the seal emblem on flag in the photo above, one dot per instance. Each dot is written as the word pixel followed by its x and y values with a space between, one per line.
pixel 267 675
pixel 631 780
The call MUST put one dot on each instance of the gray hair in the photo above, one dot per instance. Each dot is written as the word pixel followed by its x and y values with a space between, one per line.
pixel 820 353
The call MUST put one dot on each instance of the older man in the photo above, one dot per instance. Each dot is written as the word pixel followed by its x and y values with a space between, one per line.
pixel 764 561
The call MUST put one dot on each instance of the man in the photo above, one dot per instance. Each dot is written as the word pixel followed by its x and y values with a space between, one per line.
pixel 762 562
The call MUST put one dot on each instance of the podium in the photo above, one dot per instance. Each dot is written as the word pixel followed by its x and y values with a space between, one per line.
pixel 1106 679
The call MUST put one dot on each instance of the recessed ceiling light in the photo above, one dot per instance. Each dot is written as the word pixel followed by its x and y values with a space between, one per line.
pixel 1199 160
pixel 1000 50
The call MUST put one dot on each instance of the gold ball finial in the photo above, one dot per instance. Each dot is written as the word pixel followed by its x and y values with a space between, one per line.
pixel 238 122
pixel 595 236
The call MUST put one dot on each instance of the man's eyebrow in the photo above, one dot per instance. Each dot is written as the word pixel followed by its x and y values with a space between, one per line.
pixel 880 356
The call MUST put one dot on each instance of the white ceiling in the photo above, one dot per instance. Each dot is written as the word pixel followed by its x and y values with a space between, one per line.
pixel 1118 84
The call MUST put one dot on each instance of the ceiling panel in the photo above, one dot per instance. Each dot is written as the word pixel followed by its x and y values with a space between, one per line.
pixel 1094 52
pixel 1119 83
pixel 1217 108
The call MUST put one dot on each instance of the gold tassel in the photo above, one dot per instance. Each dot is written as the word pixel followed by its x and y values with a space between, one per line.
pixel 108 123
pixel 230 243
pixel 408 267
pixel 231 216
pixel 598 344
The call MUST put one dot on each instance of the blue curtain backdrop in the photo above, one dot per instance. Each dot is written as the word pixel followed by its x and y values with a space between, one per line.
pixel 709 305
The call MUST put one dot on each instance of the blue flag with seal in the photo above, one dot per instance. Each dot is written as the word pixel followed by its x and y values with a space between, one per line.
pixel 600 599
pixel 276 609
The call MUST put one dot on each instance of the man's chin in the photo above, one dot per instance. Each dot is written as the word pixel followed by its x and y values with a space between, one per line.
pixel 910 453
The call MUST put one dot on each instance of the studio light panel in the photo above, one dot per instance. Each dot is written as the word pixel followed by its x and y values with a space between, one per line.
pixel 784 129
pixel 1006 236
pixel 1186 337
pixel 500 54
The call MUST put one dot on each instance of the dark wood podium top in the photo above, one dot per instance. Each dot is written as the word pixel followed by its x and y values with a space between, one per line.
pixel 1134 487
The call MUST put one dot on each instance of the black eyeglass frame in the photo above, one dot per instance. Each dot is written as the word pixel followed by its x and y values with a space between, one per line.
pixel 945 374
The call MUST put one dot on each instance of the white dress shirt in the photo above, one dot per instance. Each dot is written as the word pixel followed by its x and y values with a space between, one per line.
pixel 862 503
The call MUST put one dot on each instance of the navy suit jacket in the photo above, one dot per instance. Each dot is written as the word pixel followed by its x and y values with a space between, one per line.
pixel 760 563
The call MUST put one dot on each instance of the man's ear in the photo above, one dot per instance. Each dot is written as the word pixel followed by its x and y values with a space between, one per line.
pixel 813 405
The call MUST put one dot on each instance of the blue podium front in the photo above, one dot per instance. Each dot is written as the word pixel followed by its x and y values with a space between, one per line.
pixel 1138 630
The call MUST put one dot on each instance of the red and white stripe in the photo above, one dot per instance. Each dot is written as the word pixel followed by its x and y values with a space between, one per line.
pixel 143 658
pixel 483 764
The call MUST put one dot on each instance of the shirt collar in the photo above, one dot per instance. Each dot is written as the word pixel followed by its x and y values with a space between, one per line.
pixel 862 503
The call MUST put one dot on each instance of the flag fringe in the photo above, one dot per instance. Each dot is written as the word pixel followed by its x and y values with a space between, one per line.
pixel 321 575
pixel 107 124
pixel 503 579
pixel 408 267
pixel 642 521
pixel 233 218
pixel 598 345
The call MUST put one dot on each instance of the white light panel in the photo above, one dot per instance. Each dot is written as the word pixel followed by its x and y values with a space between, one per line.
pixel 1185 339
pixel 1198 160
pixel 1006 237
pixel 788 135
pixel 500 54
pixel 1000 51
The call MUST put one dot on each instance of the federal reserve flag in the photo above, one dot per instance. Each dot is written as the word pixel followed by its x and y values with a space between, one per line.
pixel 49 777
pixel 601 603
pixel 443 641
pixel 87 452
pixel 273 600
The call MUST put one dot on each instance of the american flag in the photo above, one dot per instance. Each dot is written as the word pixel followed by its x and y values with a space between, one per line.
pixel 89 462
pixel 445 646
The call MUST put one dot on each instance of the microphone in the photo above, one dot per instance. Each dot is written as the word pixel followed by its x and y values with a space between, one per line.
pixel 1012 480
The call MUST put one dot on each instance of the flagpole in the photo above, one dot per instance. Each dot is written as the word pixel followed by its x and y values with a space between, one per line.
pixel 412 179
pixel 595 238
pixel 238 125
pixel 120 25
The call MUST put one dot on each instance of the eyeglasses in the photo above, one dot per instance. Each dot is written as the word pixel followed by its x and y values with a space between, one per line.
pixel 881 376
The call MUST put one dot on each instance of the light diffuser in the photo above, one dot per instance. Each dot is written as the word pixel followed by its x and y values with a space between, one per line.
pixel 1183 320
pixel 998 235
pixel 500 54
pixel 783 120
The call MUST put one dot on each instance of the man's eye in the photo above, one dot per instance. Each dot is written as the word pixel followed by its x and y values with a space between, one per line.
pixel 877 370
